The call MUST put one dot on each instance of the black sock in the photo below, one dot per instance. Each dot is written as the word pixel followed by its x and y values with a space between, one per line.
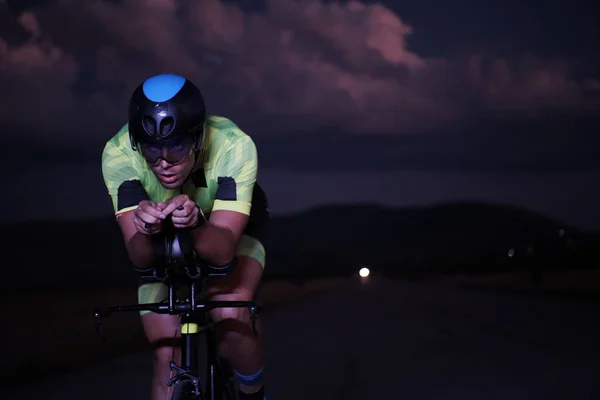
pixel 260 395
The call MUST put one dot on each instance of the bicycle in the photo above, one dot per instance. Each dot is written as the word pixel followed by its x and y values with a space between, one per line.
pixel 181 267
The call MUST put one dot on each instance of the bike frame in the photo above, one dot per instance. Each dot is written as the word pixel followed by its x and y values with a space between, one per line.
pixel 189 310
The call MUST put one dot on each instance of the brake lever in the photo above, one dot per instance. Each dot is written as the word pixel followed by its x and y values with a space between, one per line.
pixel 254 311
pixel 98 314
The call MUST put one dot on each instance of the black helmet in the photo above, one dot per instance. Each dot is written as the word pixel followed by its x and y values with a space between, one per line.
pixel 166 112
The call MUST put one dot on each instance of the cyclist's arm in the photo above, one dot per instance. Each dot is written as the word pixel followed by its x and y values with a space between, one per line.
pixel 126 191
pixel 216 241
pixel 139 246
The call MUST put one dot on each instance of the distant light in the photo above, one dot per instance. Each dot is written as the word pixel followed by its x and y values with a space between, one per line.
pixel 511 252
pixel 364 272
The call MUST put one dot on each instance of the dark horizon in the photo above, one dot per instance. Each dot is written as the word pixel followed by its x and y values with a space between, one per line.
pixel 322 209
pixel 451 238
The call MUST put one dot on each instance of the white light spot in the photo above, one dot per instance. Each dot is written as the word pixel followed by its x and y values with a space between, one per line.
pixel 364 272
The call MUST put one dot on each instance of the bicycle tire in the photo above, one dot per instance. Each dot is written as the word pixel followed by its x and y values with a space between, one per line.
pixel 184 390
pixel 227 381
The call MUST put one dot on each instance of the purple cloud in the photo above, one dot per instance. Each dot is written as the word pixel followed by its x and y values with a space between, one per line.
pixel 302 63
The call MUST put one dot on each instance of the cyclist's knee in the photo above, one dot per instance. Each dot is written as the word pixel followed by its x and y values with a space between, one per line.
pixel 161 331
pixel 233 313
pixel 163 354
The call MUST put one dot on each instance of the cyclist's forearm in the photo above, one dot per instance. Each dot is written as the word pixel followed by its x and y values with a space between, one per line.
pixel 214 244
pixel 140 250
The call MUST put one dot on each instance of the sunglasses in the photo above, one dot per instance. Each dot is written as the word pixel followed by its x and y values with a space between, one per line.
pixel 172 151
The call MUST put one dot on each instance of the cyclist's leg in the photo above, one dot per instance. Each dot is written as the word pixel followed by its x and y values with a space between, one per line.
pixel 237 341
pixel 160 330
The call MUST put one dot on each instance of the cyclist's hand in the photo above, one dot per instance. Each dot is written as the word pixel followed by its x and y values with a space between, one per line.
pixel 183 211
pixel 148 217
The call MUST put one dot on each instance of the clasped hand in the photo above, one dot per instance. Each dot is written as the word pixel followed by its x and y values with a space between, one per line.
pixel 149 215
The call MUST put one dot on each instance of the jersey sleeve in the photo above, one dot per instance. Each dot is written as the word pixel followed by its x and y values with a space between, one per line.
pixel 122 179
pixel 236 175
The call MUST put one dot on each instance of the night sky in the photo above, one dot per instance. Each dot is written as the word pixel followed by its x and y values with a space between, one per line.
pixel 393 102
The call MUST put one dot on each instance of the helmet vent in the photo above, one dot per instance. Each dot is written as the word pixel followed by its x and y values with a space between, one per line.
pixel 166 126
pixel 149 125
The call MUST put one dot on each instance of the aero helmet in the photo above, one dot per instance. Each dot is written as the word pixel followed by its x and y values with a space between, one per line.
pixel 166 118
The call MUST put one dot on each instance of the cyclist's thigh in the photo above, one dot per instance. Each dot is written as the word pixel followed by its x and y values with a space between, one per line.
pixel 243 281
pixel 160 329
pixel 254 238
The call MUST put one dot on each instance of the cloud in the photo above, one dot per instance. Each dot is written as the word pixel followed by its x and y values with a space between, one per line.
pixel 592 85
pixel 299 64
pixel 529 84
pixel 36 78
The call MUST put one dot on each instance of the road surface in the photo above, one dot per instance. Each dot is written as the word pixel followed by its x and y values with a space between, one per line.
pixel 397 340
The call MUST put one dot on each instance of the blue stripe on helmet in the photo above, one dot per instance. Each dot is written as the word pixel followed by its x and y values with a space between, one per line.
pixel 162 87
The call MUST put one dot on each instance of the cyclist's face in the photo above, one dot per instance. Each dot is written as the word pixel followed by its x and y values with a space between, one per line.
pixel 172 176
pixel 173 150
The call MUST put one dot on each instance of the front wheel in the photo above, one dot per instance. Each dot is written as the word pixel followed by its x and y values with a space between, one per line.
pixel 226 381
pixel 184 390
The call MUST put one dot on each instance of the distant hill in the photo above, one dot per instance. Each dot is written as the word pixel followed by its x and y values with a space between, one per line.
pixel 324 240
pixel 424 237
pixel 370 227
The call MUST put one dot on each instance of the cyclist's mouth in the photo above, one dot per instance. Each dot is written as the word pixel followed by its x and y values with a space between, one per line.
pixel 168 178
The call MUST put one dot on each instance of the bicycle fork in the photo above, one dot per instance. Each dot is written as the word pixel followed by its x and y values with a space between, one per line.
pixel 190 330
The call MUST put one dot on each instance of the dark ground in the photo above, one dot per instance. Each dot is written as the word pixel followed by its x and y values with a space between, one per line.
pixel 397 340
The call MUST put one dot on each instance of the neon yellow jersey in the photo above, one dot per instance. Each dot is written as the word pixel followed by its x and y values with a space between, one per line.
pixel 222 179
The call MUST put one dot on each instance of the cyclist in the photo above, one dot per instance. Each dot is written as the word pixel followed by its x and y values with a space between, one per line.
pixel 172 158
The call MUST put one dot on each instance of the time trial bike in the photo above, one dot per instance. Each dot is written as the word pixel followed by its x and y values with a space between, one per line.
pixel 181 269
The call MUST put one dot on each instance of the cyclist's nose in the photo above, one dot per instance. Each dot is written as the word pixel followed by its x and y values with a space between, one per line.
pixel 164 164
